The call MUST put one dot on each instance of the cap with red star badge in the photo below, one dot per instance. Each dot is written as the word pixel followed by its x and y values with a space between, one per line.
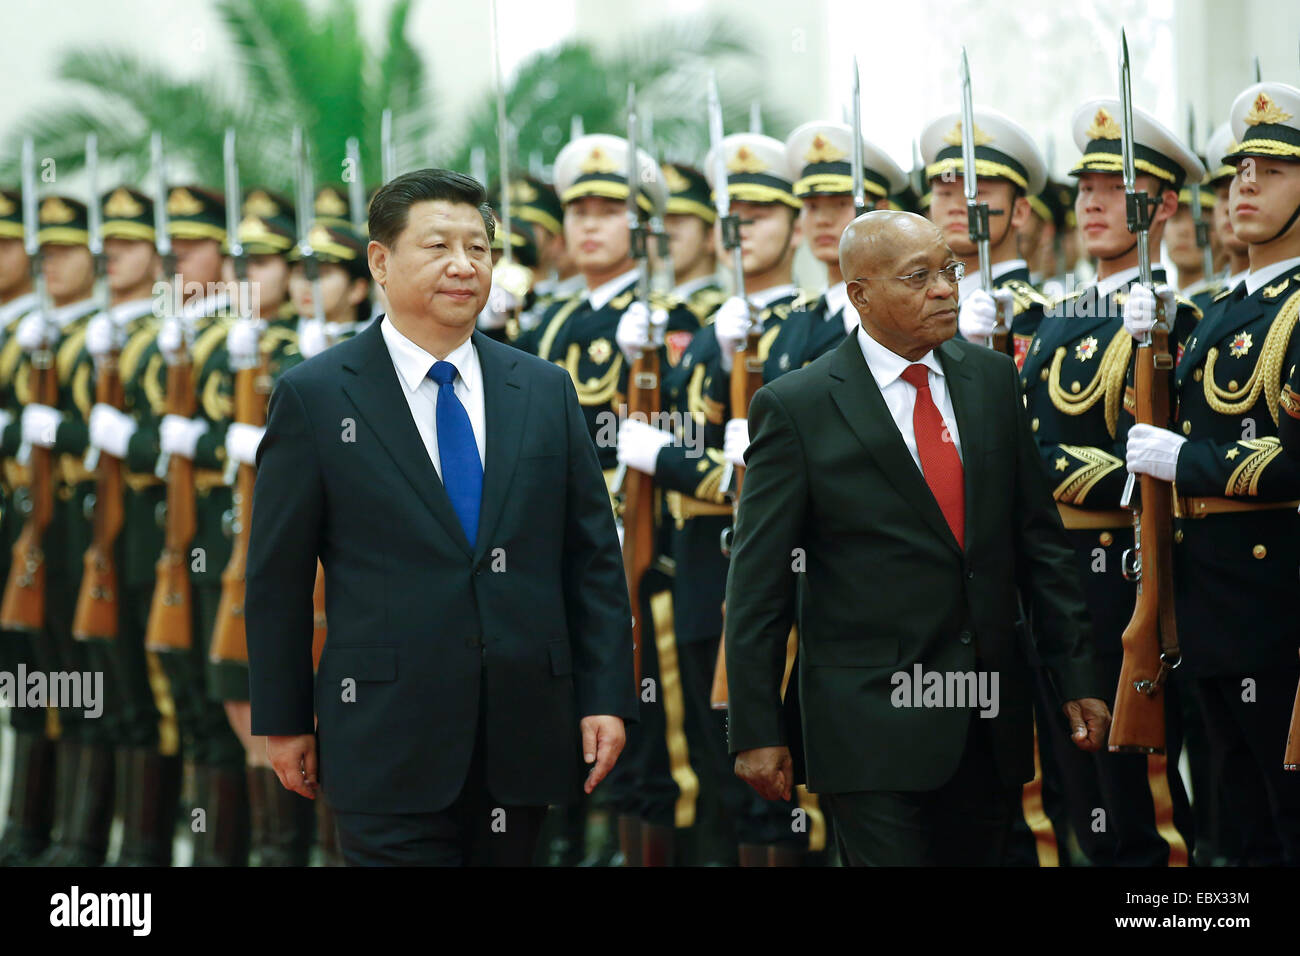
pixel 1003 150
pixel 818 153
pixel 758 169
pixel 128 214
pixel 596 165
pixel 196 212
pixel 1156 151
pixel 1265 120
pixel 267 226
pixel 62 221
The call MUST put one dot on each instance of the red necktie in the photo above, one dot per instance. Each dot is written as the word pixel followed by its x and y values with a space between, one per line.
pixel 938 452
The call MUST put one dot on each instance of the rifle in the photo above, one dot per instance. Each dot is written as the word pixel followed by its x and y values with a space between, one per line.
pixel 1198 214
pixel 643 397
pixel 229 640
pixel 171 626
pixel 977 215
pixel 746 370
pixel 507 274
pixel 318 618
pixel 23 605
pixel 1151 638
pixel 96 612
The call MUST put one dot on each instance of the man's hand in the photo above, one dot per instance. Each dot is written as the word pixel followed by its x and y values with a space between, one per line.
pixel 294 761
pixel 603 738
pixel 178 435
pixel 1140 308
pixel 40 423
pixel 769 770
pixel 1153 451
pixel 1089 722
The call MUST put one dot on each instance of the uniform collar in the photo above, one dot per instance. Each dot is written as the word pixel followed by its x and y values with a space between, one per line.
pixel 413 363
pixel 767 296
pixel 1120 279
pixel 19 306
pixel 70 313
pixel 888 366
pixel 601 296
pixel 207 306
pixel 129 311
pixel 837 298
pixel 1256 279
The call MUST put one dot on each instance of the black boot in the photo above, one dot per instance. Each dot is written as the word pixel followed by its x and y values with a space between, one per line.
pixel 256 816
pixel 67 763
pixel 223 795
pixel 92 815
pixel 151 790
pixel 328 834
pixel 31 801
pixel 290 822
pixel 629 839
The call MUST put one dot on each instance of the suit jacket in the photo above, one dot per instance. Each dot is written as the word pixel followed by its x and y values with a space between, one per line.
pixel 536 615
pixel 837 515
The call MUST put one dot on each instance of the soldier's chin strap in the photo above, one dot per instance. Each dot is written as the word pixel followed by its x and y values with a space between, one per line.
pixel 1285 227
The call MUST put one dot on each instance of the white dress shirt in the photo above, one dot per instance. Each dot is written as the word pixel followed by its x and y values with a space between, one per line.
pixel 900 397
pixel 1256 279
pixel 604 293
pixel 413 364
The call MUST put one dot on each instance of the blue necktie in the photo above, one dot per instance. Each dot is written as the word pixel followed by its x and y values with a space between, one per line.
pixel 462 472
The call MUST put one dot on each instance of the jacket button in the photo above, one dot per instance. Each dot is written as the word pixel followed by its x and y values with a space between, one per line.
pixel 1107 539
pixel 1187 427
pixel 965 637
pixel 1043 374
pixel 1034 424
pixel 970 575
pixel 1178 536
pixel 1259 551
pixel 1198 375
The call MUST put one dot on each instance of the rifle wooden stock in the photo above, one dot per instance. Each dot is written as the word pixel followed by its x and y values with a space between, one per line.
pixel 96 614
pixel 639 501
pixel 229 637
pixel 1138 725
pixel 1291 759
pixel 23 605
pixel 171 625
pixel 746 379
pixel 1002 340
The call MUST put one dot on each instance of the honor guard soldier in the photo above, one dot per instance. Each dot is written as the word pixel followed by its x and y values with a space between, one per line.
pixel 31 780
pixel 536 203
pixel 505 304
pixel 1184 253
pixel 1009 169
pixel 761 190
pixel 148 761
pixel 1074 379
pixel 691 241
pixel 345 288
pixel 1236 252
pixel 1237 534
pixel 85 763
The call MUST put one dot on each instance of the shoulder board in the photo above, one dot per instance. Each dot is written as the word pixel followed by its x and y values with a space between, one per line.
pixel 208 340
pixel 135 347
pixel 1185 303
pixel 1025 295
pixel 664 300
pixel 1066 298
pixel 780 311
pixel 622 301
pixel 66 358
pixel 1273 292
pixel 1221 295
pixel 803 301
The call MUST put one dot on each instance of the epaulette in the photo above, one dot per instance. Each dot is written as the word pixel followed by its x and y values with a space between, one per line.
pixel 1221 295
pixel 1184 302
pixel 803 301
pixel 1271 293
pixel 705 302
pixel 1024 295
pixel 781 310
pixel 666 301
pixel 1056 303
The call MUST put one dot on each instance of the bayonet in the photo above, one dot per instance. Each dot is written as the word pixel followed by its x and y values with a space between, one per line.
pixel 575 128
pixel 509 275
pixel 756 118
pixel 665 278
pixel 636 231
pixel 977 213
pixel 1259 76
pixel 356 187
pixel 95 240
pixel 306 219
pixel 387 155
pixel 855 152
pixel 233 203
pixel 1138 205
pixel 1198 214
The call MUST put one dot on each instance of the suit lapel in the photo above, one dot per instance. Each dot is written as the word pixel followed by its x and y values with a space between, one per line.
pixel 376 392
pixel 505 403
pixel 855 392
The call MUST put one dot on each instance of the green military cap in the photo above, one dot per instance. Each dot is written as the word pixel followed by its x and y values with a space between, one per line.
pixel 905 200
pixel 337 242
pixel 195 212
pixel 63 221
pixel 128 214
pixel 523 247
pixel 266 226
pixel 331 204
pixel 11 214
pixel 1156 151
pixel 689 192
pixel 534 201
pixel 923 203
pixel 1266 123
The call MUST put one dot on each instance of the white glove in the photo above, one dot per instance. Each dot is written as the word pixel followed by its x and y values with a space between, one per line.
pixel 735 441
pixel 1153 451
pixel 977 317
pixel 5 419
pixel 730 326
pixel 311 339
pixel 498 309
pixel 639 444
pixel 180 436
pixel 1140 307
pixel 242 343
pixel 633 335
pixel 171 341
pixel 103 335
pixel 34 333
pixel 40 422
pixel 111 430
pixel 242 441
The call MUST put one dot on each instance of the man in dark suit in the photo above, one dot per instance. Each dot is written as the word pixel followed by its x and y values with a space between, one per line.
pixel 479 626
pixel 894 496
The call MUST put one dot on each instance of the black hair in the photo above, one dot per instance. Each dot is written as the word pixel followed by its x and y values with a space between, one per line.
pixel 391 205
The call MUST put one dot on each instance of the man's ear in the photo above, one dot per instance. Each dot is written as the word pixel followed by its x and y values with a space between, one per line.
pixel 1167 207
pixel 858 296
pixel 377 256
pixel 1020 213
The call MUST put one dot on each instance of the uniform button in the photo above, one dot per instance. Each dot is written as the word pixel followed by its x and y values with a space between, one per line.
pixel 1187 427
pixel 1034 424
pixel 1259 551
pixel 1043 374
pixel 1075 386
pixel 1107 539
pixel 965 637
pixel 1233 385
pixel 1198 375
pixel 970 575
pixel 1178 536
